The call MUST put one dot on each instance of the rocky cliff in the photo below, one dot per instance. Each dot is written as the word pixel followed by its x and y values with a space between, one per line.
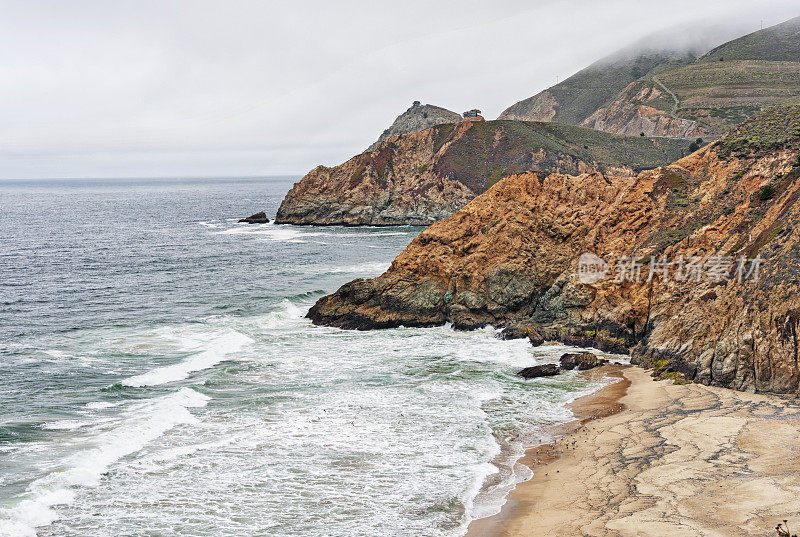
pixel 644 107
pixel 417 118
pixel 680 244
pixel 421 177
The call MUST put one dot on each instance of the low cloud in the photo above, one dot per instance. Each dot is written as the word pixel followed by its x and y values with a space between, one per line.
pixel 198 88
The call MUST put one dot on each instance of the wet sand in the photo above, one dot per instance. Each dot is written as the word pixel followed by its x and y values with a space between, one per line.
pixel 684 461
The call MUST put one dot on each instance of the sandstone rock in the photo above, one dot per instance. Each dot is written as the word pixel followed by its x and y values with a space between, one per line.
pixel 258 218
pixel 546 370
pixel 421 177
pixel 511 256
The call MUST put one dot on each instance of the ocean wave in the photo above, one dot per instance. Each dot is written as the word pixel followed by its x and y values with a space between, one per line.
pixel 273 232
pixel 377 267
pixel 144 423
pixel 65 425
pixel 288 312
pixel 216 351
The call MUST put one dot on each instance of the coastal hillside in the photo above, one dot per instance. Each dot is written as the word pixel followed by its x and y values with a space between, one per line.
pixel 579 96
pixel 696 268
pixel 678 96
pixel 417 118
pixel 421 177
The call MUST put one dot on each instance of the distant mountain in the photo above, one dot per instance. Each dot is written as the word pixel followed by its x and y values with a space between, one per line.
pixel 579 96
pixel 418 118
pixel 670 93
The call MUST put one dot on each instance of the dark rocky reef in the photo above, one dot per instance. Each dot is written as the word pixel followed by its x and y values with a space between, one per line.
pixel 258 218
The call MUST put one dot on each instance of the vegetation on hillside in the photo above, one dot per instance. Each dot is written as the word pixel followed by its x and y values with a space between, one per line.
pixel 722 95
pixel 719 91
pixel 597 85
pixel 777 43
pixel 765 131
pixel 491 150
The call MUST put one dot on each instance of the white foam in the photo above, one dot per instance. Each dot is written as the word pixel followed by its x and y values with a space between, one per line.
pixel 65 425
pixel 55 353
pixel 100 405
pixel 287 313
pixel 144 423
pixel 216 351
pixel 374 267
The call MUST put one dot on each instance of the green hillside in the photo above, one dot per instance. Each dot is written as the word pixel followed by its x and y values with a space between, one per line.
pixel 491 150
pixel 663 94
pixel 765 131
pixel 721 95
pixel 777 43
pixel 580 95
pixel 586 91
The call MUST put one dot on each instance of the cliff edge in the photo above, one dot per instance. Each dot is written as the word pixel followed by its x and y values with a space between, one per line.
pixel 698 262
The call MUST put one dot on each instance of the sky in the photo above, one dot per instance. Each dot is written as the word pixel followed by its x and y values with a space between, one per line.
pixel 198 88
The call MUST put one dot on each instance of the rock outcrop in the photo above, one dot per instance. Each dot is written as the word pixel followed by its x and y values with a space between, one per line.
pixel 418 178
pixel 536 371
pixel 633 113
pixel 583 361
pixel 417 118
pixel 258 218
pixel 673 290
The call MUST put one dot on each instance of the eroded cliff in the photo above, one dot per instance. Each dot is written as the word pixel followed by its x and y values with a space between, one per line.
pixel 422 177
pixel 511 256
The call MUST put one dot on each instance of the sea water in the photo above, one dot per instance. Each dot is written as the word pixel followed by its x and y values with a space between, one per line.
pixel 158 376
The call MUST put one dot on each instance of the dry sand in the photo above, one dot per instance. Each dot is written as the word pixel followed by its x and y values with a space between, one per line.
pixel 683 461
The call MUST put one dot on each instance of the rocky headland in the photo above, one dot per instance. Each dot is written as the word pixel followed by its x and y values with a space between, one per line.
pixel 421 177
pixel 510 257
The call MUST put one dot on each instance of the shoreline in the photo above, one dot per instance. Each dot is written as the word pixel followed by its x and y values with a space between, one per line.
pixel 597 405
pixel 664 460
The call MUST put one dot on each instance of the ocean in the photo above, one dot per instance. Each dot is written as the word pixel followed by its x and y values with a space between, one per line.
pixel 158 377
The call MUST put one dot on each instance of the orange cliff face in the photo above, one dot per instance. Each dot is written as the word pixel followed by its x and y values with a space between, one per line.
pixel 511 256
pixel 421 177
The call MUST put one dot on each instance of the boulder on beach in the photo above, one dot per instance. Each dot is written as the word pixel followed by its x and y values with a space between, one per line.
pixel 258 218
pixel 581 360
pixel 545 370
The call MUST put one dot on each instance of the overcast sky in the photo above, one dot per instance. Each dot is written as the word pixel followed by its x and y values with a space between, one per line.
pixel 114 88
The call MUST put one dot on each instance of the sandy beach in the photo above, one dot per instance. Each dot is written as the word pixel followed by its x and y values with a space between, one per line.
pixel 650 458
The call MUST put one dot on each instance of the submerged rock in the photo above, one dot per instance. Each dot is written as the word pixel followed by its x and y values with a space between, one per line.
pixel 545 370
pixel 522 331
pixel 258 218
